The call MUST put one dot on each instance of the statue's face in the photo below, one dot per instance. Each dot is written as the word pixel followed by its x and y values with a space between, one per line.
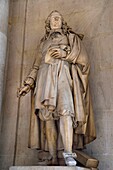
pixel 55 20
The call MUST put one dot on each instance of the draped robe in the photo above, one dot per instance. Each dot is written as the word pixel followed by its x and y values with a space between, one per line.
pixel 84 133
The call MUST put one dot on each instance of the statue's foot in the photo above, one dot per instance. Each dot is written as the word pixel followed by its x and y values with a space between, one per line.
pixel 48 162
pixel 69 159
pixel 54 161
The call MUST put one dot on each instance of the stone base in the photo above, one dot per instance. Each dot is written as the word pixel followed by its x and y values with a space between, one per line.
pixel 49 168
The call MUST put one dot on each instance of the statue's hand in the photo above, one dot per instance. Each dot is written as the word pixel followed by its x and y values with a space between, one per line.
pixel 56 52
pixel 23 91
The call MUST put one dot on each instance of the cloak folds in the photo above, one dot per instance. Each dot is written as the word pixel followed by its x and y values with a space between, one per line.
pixel 84 133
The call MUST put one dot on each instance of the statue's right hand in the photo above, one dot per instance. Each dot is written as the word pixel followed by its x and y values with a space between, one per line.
pixel 23 91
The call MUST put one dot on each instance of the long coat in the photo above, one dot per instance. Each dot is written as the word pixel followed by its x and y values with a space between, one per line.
pixel 84 133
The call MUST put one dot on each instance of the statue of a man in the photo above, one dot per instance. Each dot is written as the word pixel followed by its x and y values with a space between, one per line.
pixel 59 77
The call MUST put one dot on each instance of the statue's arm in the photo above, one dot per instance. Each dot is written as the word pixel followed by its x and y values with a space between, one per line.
pixel 78 54
pixel 29 82
pixel 73 53
pixel 31 78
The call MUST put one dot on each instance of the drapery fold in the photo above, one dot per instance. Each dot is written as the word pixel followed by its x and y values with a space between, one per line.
pixel 84 133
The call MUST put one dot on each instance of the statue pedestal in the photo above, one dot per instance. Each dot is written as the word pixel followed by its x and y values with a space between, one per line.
pixel 49 168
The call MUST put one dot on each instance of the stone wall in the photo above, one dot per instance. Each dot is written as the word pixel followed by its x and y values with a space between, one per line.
pixel 26 27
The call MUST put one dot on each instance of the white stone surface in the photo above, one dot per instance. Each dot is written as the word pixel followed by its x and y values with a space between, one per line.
pixel 47 168
pixel 3 45
pixel 4 11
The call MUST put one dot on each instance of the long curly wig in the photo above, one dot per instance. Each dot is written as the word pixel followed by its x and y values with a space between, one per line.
pixel 65 28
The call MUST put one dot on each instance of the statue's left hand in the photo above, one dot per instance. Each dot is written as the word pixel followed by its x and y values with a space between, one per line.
pixel 56 52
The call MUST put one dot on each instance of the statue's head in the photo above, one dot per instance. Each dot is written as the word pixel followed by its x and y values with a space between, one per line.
pixel 55 21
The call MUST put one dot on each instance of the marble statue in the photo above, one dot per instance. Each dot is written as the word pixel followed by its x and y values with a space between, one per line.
pixel 60 91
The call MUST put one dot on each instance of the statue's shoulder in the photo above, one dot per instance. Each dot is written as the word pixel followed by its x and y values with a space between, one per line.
pixel 74 34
